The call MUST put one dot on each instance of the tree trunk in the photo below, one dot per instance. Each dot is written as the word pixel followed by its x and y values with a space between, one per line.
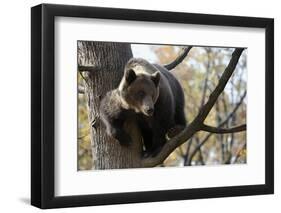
pixel 106 61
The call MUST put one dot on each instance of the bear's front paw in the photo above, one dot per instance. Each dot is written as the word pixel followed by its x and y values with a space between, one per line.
pixel 174 131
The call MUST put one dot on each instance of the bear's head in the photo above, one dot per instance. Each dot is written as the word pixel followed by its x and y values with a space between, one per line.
pixel 139 88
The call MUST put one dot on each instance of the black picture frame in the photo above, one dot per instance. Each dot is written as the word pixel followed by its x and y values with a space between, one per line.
pixel 43 117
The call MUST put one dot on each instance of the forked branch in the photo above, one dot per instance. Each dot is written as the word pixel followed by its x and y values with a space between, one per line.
pixel 198 147
pixel 198 122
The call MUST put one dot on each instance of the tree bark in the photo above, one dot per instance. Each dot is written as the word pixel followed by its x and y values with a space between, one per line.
pixel 103 64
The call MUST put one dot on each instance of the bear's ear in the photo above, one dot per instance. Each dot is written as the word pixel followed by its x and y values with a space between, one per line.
pixel 156 78
pixel 130 76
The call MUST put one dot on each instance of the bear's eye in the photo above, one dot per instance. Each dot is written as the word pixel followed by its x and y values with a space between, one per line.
pixel 140 94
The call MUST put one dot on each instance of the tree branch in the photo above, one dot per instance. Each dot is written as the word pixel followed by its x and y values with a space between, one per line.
pixel 239 153
pixel 234 110
pixel 198 121
pixel 208 50
pixel 206 79
pixel 220 125
pixel 218 130
pixel 179 59
pixel 86 68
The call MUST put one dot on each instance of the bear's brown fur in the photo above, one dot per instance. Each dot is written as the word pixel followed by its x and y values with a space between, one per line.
pixel 151 94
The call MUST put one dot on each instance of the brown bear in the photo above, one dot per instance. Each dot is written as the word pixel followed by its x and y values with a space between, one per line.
pixel 150 93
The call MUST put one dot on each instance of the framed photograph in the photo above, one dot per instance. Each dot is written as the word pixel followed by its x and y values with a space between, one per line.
pixel 139 106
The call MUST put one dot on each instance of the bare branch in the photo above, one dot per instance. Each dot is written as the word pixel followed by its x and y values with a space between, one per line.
pixel 217 130
pixel 221 125
pixel 234 110
pixel 201 105
pixel 206 79
pixel 221 85
pixel 197 123
pixel 179 59
pixel 186 157
pixel 239 153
